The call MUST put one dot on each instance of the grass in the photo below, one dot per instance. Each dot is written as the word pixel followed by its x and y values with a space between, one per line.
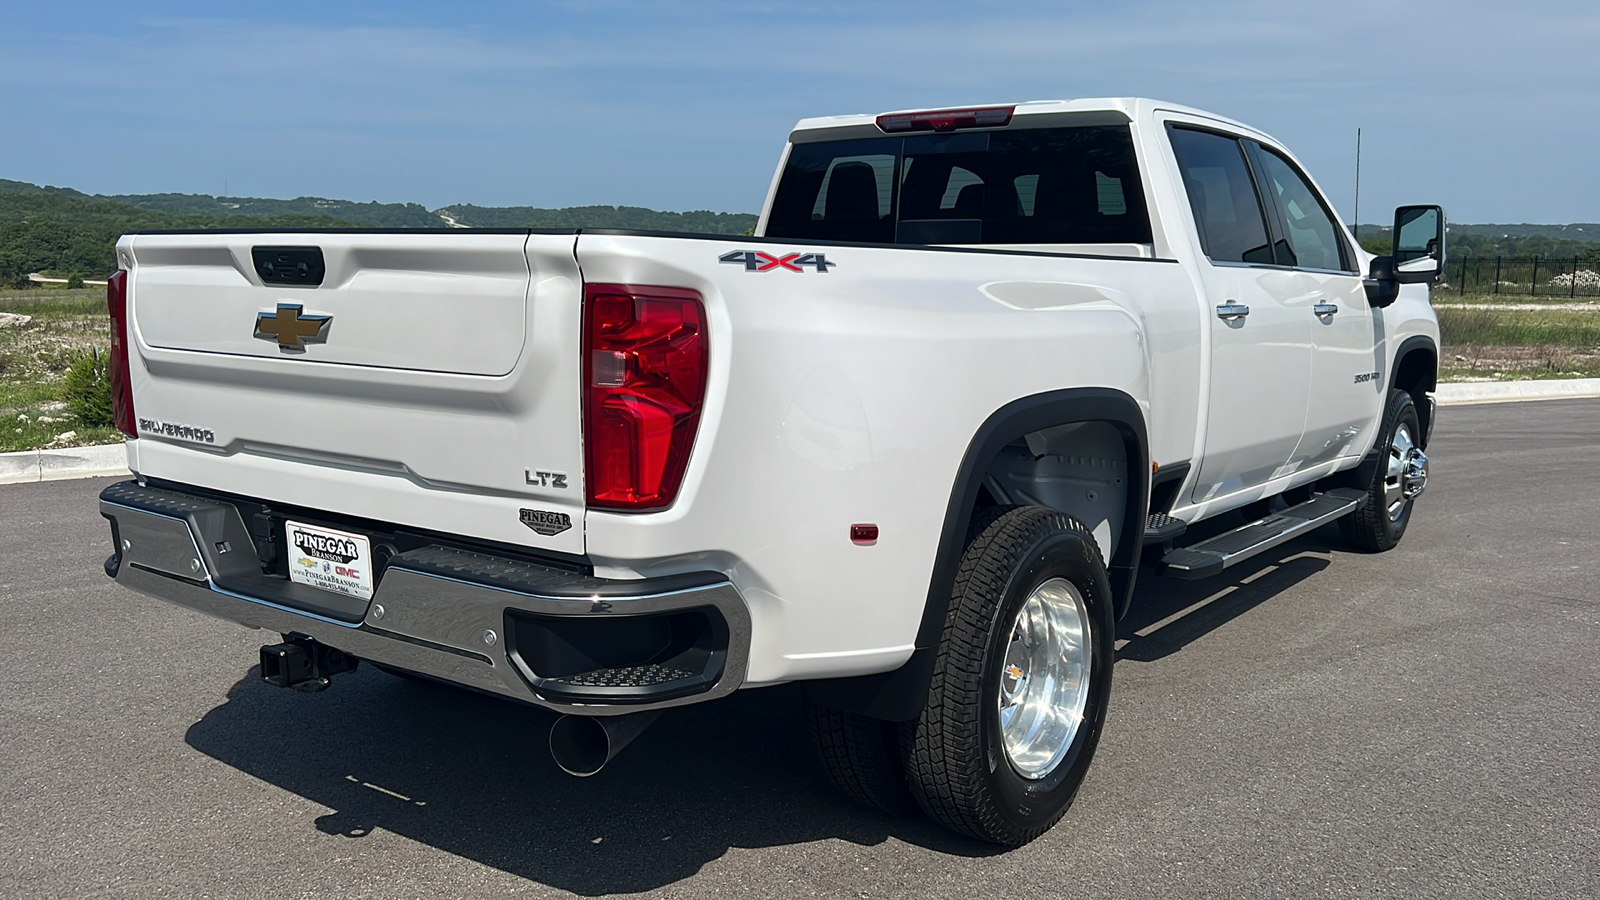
pixel 1510 327
pixel 1517 364
pixel 35 356
pixel 1515 344
pixel 1451 299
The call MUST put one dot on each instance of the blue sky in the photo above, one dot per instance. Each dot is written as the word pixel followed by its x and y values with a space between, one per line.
pixel 1488 108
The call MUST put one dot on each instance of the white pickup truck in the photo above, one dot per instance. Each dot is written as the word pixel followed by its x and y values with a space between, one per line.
pixel 908 444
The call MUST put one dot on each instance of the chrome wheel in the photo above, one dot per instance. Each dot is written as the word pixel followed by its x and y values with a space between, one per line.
pixel 1407 474
pixel 1044 683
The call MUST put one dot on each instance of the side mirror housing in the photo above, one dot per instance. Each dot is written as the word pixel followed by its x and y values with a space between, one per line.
pixel 1419 244
pixel 1383 288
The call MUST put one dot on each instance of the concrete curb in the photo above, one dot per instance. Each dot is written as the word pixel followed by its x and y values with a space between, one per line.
pixel 112 459
pixel 1516 391
pixel 55 465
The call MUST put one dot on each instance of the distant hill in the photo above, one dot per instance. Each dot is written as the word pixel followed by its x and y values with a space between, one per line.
pixel 635 217
pixel 1549 241
pixel 61 230
pixel 366 215
pixel 47 229
pixel 1583 231
pixel 414 215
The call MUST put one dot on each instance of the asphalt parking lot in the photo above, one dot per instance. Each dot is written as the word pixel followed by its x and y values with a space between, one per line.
pixel 1422 723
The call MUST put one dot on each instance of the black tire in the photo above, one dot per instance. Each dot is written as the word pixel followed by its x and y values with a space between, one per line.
pixel 861 756
pixel 956 763
pixel 1372 528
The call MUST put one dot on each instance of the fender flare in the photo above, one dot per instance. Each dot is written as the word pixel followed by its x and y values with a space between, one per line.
pixel 1419 343
pixel 900 695
pixel 1361 476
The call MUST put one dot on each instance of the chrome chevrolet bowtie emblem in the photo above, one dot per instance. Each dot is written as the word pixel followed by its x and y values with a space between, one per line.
pixel 291 327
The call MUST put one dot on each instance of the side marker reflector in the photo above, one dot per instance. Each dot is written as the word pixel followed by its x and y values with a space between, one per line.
pixel 865 535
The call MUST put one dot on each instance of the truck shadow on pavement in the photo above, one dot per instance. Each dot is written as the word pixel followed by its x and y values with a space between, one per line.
pixel 472 775
pixel 1168 614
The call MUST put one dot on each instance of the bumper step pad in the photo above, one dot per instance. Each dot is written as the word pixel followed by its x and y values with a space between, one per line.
pixel 1159 527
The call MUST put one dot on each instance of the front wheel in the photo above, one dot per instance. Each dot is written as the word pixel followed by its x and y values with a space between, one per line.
pixel 1402 474
pixel 1021 680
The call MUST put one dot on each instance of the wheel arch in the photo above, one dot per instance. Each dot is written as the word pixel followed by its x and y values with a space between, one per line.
pixel 900 695
pixel 1416 371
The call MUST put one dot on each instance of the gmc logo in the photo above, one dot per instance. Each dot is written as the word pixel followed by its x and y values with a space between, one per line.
pixel 756 261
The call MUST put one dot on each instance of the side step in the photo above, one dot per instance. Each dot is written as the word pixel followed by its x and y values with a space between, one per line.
pixel 1211 556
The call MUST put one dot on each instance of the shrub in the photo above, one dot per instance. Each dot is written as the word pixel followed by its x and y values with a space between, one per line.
pixel 87 389
pixel 74 281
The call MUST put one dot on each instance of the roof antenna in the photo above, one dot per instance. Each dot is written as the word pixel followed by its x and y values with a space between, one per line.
pixel 1356 231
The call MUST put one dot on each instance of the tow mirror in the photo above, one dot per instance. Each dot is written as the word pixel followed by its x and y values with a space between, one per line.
pixel 1419 254
pixel 1419 249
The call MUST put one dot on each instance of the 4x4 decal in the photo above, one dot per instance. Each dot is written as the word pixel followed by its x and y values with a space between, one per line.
pixel 756 261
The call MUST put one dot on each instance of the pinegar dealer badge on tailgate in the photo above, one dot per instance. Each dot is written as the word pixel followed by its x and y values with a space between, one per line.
pixel 546 522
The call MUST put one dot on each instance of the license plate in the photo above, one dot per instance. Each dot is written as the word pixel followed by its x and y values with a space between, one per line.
pixel 336 561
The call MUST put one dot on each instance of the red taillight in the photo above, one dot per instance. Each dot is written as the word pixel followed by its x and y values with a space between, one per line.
pixel 947 119
pixel 121 374
pixel 645 376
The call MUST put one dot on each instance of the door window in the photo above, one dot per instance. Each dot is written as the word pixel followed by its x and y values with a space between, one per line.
pixel 1311 234
pixel 1222 195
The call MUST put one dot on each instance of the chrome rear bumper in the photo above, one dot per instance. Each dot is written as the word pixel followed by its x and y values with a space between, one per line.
pixel 479 620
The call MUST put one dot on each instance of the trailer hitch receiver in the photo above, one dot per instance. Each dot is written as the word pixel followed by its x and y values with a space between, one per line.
pixel 303 664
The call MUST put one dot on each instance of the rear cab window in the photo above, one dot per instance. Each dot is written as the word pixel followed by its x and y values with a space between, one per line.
pixel 1073 185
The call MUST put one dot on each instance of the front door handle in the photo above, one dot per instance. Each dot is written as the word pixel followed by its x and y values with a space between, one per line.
pixel 1230 311
pixel 1325 309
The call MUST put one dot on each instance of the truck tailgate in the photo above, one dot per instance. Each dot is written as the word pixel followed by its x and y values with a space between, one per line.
pixel 435 376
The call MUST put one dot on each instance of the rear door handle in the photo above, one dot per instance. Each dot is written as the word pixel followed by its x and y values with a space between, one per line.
pixel 1325 309
pixel 1230 311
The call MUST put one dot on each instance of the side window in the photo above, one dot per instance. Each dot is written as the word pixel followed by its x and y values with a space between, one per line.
pixel 1222 195
pixel 1310 230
